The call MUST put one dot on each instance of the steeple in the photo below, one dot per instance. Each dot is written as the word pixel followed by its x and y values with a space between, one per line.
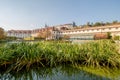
pixel 46 25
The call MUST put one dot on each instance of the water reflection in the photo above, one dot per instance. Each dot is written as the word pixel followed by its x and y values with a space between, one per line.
pixel 58 73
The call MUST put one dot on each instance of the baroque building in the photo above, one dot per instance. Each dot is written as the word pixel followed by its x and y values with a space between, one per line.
pixel 58 31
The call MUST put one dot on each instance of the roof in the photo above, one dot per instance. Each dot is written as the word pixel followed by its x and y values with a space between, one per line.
pixel 92 28
pixel 19 31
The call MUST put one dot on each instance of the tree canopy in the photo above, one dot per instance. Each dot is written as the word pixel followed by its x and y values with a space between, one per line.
pixel 2 33
pixel 44 34
pixel 90 24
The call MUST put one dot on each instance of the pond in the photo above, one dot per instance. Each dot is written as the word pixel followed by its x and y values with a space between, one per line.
pixel 59 73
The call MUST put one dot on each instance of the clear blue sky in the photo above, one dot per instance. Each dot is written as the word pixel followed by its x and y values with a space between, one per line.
pixel 32 14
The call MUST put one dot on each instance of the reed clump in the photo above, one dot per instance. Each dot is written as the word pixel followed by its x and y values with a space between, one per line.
pixel 24 55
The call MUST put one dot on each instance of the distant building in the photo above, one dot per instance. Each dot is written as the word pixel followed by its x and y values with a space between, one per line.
pixel 45 31
pixel 19 33
pixel 88 33
pixel 68 26
pixel 56 32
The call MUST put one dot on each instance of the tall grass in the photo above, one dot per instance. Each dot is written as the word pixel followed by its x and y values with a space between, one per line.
pixel 24 55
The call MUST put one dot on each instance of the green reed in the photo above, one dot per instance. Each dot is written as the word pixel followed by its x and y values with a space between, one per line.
pixel 24 55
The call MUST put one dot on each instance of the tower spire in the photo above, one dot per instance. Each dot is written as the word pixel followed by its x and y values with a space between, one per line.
pixel 46 25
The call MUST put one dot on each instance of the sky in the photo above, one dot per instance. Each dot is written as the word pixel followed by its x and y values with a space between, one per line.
pixel 33 14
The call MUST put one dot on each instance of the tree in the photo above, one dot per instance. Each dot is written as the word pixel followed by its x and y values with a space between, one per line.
pixel 98 24
pixel 107 23
pixel 74 24
pixel 10 38
pixel 116 37
pixel 114 22
pixel 44 34
pixel 89 24
pixel 2 34
pixel 109 35
pixel 41 35
pixel 100 36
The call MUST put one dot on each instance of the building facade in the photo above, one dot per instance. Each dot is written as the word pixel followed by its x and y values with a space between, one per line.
pixel 19 33
pixel 56 32
pixel 47 32
pixel 88 33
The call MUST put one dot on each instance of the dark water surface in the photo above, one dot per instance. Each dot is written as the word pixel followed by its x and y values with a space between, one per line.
pixel 58 73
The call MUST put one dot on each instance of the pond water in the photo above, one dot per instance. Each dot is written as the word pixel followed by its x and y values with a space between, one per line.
pixel 58 73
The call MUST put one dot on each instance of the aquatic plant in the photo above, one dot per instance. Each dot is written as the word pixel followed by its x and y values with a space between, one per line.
pixel 24 55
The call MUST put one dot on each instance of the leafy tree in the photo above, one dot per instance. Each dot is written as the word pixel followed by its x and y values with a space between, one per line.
pixel 2 34
pixel 88 23
pixel 11 38
pixel 44 34
pixel 116 37
pixel 41 35
pixel 114 22
pixel 107 23
pixel 100 36
pixel 109 35
pixel 98 24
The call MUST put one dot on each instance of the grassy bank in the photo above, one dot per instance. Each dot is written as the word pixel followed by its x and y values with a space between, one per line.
pixel 24 55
